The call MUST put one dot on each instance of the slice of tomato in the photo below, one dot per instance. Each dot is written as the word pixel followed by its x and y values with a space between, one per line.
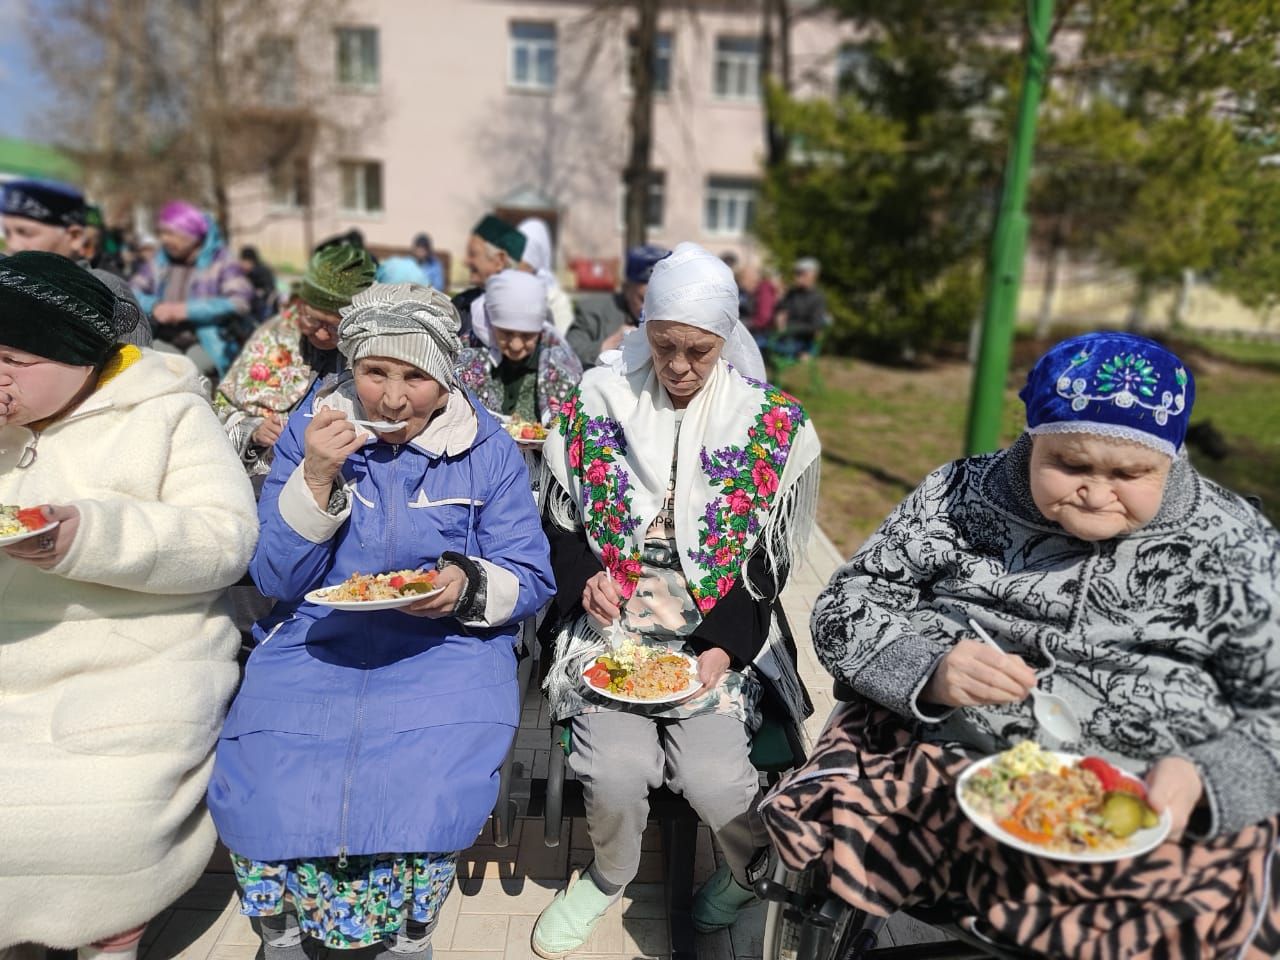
pixel 397 582
pixel 1107 775
pixel 32 518
pixel 1128 784
pixel 598 676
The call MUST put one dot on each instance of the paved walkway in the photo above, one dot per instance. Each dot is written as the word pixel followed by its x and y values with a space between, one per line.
pixel 501 891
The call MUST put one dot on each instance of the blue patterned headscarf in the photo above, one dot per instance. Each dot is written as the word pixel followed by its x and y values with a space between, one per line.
pixel 1114 385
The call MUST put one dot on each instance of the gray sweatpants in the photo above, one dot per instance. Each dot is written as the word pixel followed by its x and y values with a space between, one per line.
pixel 620 757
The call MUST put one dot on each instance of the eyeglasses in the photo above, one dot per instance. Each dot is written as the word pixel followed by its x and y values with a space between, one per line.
pixel 314 320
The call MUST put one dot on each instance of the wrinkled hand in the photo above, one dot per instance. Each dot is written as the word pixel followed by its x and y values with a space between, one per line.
pixel 713 664
pixel 614 340
pixel 1174 784
pixel 268 432
pixel 169 313
pixel 975 674
pixel 329 440
pixel 47 550
pixel 602 599
pixel 450 581
pixel 6 398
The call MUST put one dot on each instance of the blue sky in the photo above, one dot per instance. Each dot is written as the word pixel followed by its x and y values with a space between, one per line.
pixel 21 93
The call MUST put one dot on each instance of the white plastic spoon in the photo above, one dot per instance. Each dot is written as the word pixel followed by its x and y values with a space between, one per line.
pixel 1051 711
pixel 379 426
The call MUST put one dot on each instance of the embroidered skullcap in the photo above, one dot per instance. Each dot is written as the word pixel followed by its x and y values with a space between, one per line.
pixel 403 321
pixel 515 300
pixel 184 218
pixel 641 260
pixel 694 287
pixel 502 235
pixel 93 216
pixel 537 244
pixel 1113 385
pixel 55 204
pixel 335 275
pixel 51 307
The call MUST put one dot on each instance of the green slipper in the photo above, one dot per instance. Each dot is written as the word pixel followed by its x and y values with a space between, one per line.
pixel 718 903
pixel 571 918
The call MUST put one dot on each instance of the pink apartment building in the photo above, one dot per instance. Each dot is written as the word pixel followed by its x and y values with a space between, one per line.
pixel 457 107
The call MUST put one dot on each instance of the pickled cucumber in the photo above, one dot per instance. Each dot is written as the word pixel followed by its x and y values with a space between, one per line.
pixel 1123 814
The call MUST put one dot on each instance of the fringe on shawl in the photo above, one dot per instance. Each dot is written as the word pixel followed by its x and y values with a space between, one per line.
pixel 554 501
pixel 785 535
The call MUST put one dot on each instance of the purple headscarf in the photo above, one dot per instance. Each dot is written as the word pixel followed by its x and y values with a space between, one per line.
pixel 183 217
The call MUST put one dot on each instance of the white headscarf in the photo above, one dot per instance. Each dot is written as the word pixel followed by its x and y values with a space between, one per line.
pixel 694 287
pixel 537 246
pixel 512 300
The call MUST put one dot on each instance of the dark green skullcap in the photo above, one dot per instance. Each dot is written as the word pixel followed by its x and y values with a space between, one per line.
pixel 335 275
pixel 93 216
pixel 502 235
pixel 51 307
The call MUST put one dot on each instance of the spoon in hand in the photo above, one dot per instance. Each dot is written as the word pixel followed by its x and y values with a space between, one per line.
pixel 1051 711
pixel 379 426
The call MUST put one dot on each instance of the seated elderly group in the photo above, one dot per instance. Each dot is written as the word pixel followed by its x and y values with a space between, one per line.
pixel 676 492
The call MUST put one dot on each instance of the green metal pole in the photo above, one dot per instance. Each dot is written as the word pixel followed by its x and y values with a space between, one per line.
pixel 1008 246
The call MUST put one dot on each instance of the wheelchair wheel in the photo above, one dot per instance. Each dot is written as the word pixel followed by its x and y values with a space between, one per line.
pixel 815 925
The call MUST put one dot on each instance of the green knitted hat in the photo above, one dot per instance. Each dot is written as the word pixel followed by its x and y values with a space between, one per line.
pixel 51 307
pixel 502 235
pixel 335 275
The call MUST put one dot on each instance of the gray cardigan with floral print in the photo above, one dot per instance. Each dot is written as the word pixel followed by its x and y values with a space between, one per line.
pixel 1166 641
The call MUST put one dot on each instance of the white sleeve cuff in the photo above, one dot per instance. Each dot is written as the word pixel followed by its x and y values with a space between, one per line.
pixel 299 510
pixel 502 590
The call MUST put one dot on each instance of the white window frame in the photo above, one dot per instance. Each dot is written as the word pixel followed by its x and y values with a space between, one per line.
pixel 362 85
pixel 532 48
pixel 736 199
pixel 362 208
pixel 745 65
pixel 659 55
pixel 658 186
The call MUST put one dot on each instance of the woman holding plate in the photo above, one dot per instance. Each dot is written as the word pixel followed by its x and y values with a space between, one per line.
pixel 117 659
pixel 362 751
pixel 1110 573
pixel 678 494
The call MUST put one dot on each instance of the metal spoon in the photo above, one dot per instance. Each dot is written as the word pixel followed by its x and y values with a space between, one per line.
pixel 1051 711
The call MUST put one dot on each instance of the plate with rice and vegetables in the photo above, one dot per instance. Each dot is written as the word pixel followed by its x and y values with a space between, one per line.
pixel 638 673
pixel 377 591
pixel 19 523
pixel 1061 805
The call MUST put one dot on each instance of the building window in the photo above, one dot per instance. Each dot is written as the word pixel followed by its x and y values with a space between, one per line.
pixel 737 74
pixel 656 205
pixel 278 63
pixel 289 183
pixel 661 62
pixel 361 186
pixel 533 56
pixel 853 69
pixel 358 57
pixel 730 209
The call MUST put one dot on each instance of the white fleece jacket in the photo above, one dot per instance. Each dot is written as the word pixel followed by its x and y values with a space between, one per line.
pixel 117 666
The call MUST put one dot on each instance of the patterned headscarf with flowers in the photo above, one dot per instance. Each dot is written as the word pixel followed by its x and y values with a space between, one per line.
pixel 746 461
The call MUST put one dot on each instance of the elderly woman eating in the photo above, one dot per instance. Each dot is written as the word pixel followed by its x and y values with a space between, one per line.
pixel 523 369
pixel 678 493
pixel 362 751
pixel 1110 573
pixel 117 660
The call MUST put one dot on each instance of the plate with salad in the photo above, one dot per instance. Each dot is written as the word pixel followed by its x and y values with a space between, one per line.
pixel 377 591
pixel 22 523
pixel 526 434
pixel 638 673
pixel 1061 805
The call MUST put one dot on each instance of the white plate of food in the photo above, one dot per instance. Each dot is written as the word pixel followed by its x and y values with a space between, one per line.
pixel 18 524
pixel 526 434
pixel 636 673
pixel 1060 805
pixel 377 591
